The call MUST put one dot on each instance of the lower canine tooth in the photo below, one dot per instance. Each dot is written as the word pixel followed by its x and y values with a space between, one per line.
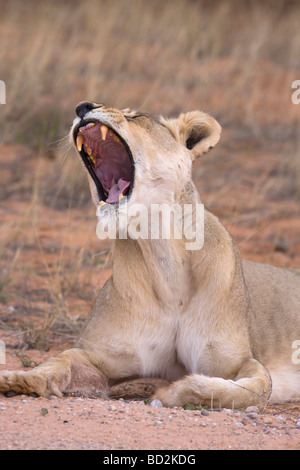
pixel 79 142
pixel 121 196
pixel 102 203
pixel 104 130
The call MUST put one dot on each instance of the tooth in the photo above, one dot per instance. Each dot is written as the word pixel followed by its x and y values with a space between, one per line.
pixel 89 151
pixel 104 130
pixel 121 196
pixel 79 142
pixel 93 158
pixel 116 138
pixel 88 126
pixel 102 203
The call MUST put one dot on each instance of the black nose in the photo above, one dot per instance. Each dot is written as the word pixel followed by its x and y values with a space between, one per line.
pixel 83 108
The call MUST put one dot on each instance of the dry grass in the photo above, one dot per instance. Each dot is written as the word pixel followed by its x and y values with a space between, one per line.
pixel 235 59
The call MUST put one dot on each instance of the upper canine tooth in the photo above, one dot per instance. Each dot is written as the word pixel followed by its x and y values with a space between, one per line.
pixel 104 130
pixel 79 142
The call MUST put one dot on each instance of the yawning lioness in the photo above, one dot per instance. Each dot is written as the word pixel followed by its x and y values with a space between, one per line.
pixel 220 329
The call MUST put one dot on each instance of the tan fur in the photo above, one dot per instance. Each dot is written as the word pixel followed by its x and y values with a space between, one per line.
pixel 219 328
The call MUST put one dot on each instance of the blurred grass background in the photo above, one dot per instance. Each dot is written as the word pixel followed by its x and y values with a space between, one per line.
pixel 235 59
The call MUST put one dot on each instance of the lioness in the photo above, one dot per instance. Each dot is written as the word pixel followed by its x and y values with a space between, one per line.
pixel 220 329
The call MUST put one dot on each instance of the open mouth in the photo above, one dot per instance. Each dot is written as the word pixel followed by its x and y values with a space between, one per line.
pixel 108 159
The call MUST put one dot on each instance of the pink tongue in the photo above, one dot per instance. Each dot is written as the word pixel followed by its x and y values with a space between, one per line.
pixel 116 190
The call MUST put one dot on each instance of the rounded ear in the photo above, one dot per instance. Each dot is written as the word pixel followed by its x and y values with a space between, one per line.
pixel 196 130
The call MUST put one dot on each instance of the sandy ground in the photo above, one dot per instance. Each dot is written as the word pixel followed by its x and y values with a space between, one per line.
pixel 239 189
pixel 87 424
pixel 128 422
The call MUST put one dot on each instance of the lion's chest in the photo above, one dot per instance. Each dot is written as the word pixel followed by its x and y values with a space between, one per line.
pixel 175 346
